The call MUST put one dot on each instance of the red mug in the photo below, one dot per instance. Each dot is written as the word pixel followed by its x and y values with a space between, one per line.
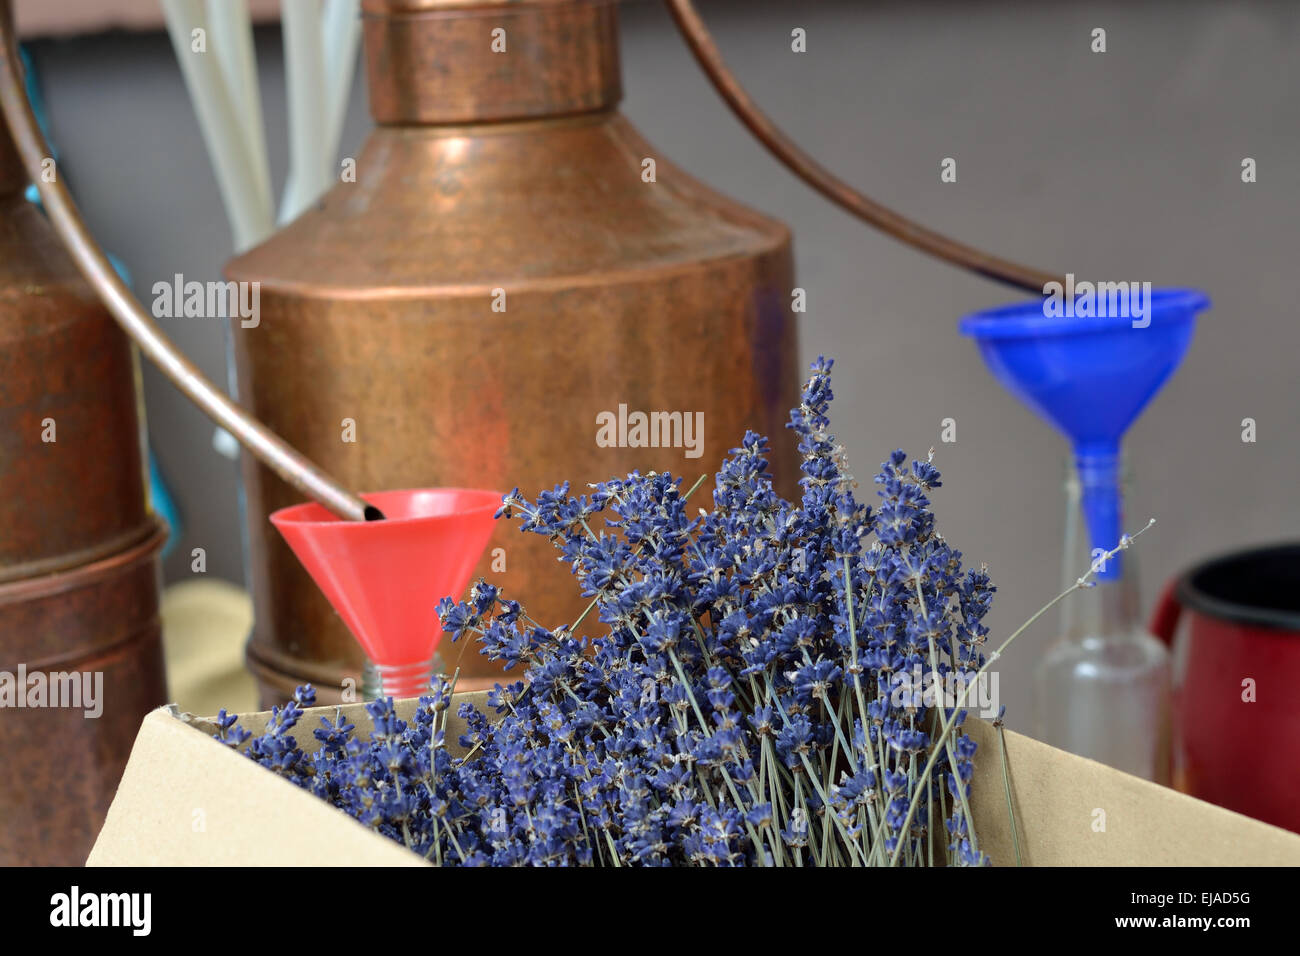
pixel 1237 681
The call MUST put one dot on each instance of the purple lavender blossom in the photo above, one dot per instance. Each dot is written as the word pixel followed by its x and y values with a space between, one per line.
pixel 746 698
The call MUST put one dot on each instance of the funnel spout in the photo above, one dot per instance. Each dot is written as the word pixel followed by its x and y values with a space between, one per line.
pixel 1102 502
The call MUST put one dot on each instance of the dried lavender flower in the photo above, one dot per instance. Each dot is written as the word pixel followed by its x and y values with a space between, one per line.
pixel 753 694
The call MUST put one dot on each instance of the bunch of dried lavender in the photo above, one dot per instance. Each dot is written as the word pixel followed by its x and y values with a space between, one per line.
pixel 752 698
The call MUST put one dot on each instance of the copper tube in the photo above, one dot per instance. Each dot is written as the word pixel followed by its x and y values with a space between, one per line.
pixel 827 183
pixel 289 464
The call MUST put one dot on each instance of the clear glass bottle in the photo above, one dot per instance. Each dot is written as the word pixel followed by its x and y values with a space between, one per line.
pixel 1102 690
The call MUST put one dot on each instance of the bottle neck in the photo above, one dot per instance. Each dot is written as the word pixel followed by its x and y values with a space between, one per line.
pixel 1109 609
pixel 457 62
pixel 398 681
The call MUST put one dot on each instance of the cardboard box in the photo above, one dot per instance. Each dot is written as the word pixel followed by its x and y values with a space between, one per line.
pixel 187 799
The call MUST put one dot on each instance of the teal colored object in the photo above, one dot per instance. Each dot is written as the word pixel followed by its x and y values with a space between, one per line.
pixel 1090 377
pixel 38 107
pixel 159 495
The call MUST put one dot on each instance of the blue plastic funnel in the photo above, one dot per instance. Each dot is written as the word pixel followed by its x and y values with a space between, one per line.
pixel 1089 376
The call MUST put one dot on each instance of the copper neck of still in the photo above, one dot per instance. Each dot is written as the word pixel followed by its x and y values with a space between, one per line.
pixel 471 61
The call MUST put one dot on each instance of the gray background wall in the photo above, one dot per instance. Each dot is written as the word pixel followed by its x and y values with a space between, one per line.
pixel 1123 165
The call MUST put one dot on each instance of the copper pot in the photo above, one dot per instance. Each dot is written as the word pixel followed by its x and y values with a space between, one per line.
pixel 499 274
pixel 71 474
pixel 78 548
pixel 96 625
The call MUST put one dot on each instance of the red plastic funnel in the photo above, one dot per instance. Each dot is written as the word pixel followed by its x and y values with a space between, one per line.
pixel 385 578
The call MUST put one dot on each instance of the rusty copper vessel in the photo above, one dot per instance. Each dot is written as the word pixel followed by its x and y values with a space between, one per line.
pixel 499 274
pixel 78 547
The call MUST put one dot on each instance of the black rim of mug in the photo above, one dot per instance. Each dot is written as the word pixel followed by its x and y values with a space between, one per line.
pixel 1244 587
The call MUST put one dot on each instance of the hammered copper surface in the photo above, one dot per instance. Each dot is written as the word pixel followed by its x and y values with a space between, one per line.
pixel 377 307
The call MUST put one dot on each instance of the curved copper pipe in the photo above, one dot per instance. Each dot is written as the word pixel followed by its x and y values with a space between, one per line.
pixel 827 183
pixel 272 450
